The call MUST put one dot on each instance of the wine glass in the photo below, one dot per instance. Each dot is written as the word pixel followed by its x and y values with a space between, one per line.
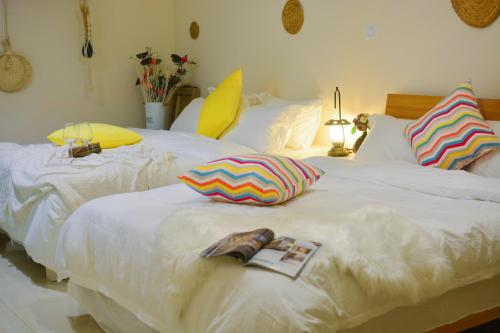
pixel 70 135
pixel 86 133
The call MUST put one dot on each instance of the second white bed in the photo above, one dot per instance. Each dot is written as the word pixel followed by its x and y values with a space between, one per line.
pixel 393 234
pixel 40 188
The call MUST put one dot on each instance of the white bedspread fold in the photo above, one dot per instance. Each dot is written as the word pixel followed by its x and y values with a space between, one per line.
pixel 453 184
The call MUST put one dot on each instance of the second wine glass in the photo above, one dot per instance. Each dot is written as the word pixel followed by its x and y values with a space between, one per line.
pixel 70 135
pixel 86 133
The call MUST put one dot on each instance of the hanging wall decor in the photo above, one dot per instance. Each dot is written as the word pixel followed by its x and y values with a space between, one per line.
pixel 293 16
pixel 15 70
pixel 477 13
pixel 87 49
pixel 194 30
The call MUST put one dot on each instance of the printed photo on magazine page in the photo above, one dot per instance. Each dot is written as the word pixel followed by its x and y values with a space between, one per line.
pixel 285 255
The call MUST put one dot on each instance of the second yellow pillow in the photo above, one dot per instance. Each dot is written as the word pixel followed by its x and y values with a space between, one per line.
pixel 108 136
pixel 221 108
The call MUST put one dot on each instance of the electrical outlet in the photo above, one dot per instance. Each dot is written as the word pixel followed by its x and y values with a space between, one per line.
pixel 371 31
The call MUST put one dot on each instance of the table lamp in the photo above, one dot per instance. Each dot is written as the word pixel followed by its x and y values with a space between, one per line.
pixel 337 132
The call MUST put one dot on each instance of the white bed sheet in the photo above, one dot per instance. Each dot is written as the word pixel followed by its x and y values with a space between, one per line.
pixel 40 188
pixel 313 151
pixel 437 230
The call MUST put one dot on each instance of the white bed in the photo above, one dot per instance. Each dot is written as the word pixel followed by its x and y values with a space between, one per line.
pixel 437 231
pixel 39 188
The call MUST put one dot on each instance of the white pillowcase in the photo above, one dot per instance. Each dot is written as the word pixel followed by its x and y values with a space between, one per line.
pixel 265 128
pixel 188 119
pixel 305 127
pixel 386 141
pixel 489 165
pixel 305 120
pixel 248 100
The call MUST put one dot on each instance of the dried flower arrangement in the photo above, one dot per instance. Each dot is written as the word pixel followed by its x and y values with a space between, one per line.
pixel 362 124
pixel 158 86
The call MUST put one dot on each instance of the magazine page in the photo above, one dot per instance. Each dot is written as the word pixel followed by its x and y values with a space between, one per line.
pixel 241 245
pixel 285 255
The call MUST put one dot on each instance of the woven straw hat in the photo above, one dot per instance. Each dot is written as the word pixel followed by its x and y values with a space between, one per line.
pixel 477 13
pixel 15 70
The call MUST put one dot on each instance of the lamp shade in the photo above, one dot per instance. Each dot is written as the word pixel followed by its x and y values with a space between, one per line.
pixel 336 132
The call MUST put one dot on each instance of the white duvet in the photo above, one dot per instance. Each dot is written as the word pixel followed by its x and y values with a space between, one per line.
pixel 393 234
pixel 40 187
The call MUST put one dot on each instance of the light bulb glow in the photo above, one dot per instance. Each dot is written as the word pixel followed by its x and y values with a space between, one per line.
pixel 337 136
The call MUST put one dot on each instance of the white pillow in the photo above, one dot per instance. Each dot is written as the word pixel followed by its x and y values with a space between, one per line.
pixel 304 121
pixel 248 100
pixel 264 128
pixel 305 126
pixel 188 119
pixel 489 165
pixel 386 141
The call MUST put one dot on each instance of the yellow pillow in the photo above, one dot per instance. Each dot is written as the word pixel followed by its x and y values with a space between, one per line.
pixel 221 108
pixel 108 136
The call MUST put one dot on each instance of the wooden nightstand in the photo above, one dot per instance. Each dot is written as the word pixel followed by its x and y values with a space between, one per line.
pixel 182 97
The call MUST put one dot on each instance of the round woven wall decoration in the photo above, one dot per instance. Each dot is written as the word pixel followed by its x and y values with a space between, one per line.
pixel 194 30
pixel 477 13
pixel 293 16
pixel 15 70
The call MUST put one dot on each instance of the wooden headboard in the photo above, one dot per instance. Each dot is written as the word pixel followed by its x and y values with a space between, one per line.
pixel 414 106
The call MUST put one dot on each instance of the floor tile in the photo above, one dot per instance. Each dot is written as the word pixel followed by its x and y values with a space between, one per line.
pixel 10 323
pixel 28 303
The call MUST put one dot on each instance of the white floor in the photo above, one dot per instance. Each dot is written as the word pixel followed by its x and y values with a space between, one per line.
pixel 28 303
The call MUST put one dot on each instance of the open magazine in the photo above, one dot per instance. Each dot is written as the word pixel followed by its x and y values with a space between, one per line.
pixel 259 247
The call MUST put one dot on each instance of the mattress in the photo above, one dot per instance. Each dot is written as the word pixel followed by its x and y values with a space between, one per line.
pixel 393 234
pixel 40 188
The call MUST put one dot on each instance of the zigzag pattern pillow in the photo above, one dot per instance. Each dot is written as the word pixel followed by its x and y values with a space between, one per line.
pixel 252 179
pixel 453 134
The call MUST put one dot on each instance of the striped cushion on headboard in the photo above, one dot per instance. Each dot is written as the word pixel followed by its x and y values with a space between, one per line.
pixel 453 134
pixel 252 179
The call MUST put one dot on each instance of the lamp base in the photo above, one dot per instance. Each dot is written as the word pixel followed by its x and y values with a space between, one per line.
pixel 339 152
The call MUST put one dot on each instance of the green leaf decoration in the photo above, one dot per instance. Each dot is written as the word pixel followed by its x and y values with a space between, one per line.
pixel 353 130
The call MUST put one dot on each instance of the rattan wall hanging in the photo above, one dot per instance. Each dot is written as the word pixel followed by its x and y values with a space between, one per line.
pixel 87 48
pixel 15 70
pixel 194 30
pixel 477 13
pixel 293 16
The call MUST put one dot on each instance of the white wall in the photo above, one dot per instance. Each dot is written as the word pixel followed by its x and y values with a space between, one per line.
pixel 49 34
pixel 421 46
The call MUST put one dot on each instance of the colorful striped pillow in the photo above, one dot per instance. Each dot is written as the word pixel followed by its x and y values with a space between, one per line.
pixel 252 179
pixel 453 134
